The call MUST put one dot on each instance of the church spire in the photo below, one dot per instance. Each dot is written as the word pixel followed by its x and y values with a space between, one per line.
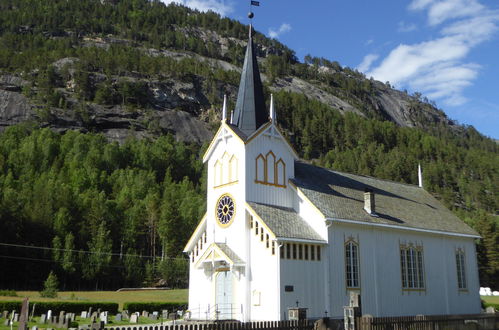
pixel 250 112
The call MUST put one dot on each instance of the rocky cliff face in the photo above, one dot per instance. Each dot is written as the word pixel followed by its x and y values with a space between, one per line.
pixel 183 108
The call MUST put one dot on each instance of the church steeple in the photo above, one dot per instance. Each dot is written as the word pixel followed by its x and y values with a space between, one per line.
pixel 250 112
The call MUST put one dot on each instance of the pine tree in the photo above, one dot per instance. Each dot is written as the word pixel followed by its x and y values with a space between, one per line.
pixel 50 286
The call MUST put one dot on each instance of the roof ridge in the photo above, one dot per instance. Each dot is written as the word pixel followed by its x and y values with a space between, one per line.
pixel 363 175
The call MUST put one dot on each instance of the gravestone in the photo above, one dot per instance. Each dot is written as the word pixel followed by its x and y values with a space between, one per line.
pixel 49 315
pixel 62 315
pixel 134 318
pixel 180 313
pixel 98 311
pixel 103 317
pixel 164 313
pixel 43 319
pixel 54 320
pixel 490 310
pixel 16 317
pixel 118 317
pixel 145 313
pixel 64 323
pixel 5 314
pixel 172 316
pixel 7 322
pixel 89 311
pixel 155 313
pixel 97 325
pixel 153 317
pixel 83 315
pixel 125 315
pixel 34 327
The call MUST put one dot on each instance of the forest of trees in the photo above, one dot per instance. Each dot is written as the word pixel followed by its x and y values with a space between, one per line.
pixel 104 215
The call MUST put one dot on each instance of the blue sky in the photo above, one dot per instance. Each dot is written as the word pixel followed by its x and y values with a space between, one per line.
pixel 446 49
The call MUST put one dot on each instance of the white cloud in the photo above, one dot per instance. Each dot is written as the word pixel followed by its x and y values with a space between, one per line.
pixel 438 67
pixel 366 62
pixel 406 27
pixel 368 42
pixel 442 10
pixel 221 7
pixel 285 27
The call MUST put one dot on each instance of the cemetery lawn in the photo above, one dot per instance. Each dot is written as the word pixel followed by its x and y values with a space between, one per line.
pixel 80 321
pixel 175 296
pixel 491 301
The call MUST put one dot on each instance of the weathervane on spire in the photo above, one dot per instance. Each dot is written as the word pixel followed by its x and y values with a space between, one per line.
pixel 253 3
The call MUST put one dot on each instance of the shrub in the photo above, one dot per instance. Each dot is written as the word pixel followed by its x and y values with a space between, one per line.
pixel 8 293
pixel 153 306
pixel 43 307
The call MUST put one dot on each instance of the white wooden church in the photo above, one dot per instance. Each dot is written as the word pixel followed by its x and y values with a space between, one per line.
pixel 280 233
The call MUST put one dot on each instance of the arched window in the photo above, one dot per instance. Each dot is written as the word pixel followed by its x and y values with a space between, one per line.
pixel 225 165
pixel 352 265
pixel 461 273
pixel 270 158
pixel 233 175
pixel 280 172
pixel 260 169
pixel 412 267
pixel 218 173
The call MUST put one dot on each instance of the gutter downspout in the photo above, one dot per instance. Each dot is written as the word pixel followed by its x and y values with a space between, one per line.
pixel 327 269
pixel 278 262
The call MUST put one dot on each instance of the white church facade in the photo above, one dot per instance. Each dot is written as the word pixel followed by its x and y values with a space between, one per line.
pixel 280 233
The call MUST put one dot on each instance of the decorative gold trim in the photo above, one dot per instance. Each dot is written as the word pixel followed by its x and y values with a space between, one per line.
pixel 258 132
pixel 280 161
pixel 227 184
pixel 260 156
pixel 215 137
pixel 263 128
pixel 266 172
pixel 232 177
pixel 203 219
pixel 216 213
pixel 270 153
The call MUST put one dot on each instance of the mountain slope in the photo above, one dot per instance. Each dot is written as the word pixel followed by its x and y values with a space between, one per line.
pixel 136 68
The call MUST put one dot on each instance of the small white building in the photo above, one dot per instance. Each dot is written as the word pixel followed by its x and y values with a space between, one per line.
pixel 280 233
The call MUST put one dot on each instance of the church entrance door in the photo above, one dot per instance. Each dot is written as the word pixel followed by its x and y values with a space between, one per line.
pixel 224 295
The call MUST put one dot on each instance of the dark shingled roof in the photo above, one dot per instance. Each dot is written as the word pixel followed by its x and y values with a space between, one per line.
pixel 341 196
pixel 250 112
pixel 285 222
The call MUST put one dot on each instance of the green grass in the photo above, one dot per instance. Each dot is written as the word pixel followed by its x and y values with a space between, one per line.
pixel 107 296
pixel 491 301
pixel 80 321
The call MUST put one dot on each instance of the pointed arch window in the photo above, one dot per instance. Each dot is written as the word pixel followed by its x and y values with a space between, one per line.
pixel 280 172
pixel 260 169
pixel 352 264
pixel 461 272
pixel 233 170
pixel 412 267
pixel 269 170
pixel 225 170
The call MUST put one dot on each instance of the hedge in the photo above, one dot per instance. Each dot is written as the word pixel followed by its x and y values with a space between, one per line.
pixel 489 304
pixel 153 306
pixel 43 307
